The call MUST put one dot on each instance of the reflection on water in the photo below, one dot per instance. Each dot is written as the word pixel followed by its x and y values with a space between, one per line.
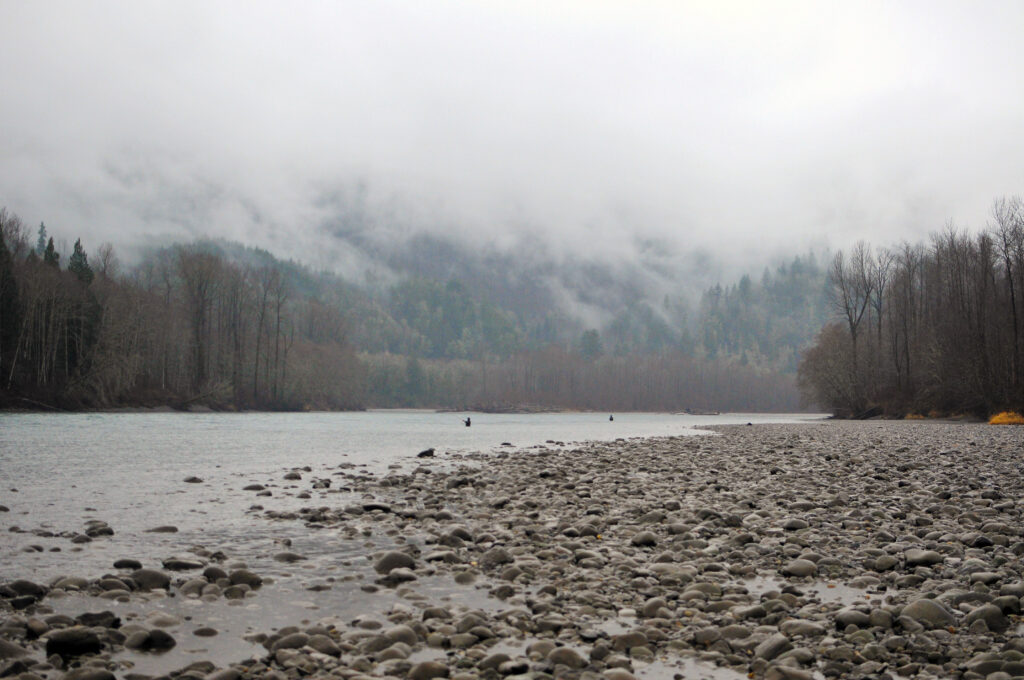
pixel 825 591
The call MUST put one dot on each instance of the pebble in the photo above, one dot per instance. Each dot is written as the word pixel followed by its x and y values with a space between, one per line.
pixel 929 613
pixel 800 568
pixel 392 560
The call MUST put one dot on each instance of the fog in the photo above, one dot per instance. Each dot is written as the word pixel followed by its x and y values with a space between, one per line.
pixel 584 129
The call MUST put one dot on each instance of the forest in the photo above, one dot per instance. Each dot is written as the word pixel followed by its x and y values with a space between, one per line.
pixel 215 324
pixel 925 329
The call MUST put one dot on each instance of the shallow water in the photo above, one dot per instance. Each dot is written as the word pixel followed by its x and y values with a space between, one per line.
pixel 128 469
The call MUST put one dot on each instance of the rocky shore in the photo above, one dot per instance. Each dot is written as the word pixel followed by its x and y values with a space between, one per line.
pixel 854 550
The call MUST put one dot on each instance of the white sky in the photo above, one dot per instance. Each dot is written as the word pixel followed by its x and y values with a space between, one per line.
pixel 745 127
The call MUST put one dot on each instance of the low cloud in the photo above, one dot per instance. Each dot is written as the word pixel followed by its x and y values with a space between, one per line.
pixel 591 128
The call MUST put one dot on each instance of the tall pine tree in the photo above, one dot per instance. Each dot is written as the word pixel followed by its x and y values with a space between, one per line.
pixel 50 255
pixel 41 241
pixel 78 264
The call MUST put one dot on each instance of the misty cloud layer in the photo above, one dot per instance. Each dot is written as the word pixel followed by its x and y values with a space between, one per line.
pixel 583 127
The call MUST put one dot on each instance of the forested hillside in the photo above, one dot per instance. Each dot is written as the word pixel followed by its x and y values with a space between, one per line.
pixel 220 324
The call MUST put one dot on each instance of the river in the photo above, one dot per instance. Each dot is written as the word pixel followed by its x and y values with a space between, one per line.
pixel 60 471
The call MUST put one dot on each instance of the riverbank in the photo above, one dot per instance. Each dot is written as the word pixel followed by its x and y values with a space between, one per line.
pixel 849 549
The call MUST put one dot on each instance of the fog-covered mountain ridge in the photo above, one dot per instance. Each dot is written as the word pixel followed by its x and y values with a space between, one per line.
pixel 655 297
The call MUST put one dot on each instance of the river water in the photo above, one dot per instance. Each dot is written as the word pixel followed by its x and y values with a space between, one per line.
pixel 60 471
pixel 127 468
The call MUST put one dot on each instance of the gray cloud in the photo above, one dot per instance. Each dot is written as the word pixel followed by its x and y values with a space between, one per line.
pixel 746 128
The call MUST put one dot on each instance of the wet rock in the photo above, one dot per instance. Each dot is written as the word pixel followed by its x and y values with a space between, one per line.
pixel 324 645
pixel 917 557
pixel 397 576
pixel 74 641
pixel 88 673
pixel 800 568
pixel 425 670
pixel 127 563
pixel 10 650
pixel 567 657
pixel 155 640
pixel 96 528
pixel 392 560
pixel 929 613
pixel 23 588
pixel 182 564
pixel 850 616
pixel 626 641
pixel 236 592
pixel 618 674
pixel 245 577
pixel 151 579
pixel 772 647
pixel 104 619
pixel 402 633
pixel 644 539
pixel 495 557
pixel 71 583
pixel 192 479
pixel 214 573
pixel 292 641
pixel 992 615
pixel 163 620
pixel 795 627
pixel 224 674
pixel 163 529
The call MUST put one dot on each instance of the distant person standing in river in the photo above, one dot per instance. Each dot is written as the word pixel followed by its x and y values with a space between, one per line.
pixel 467 421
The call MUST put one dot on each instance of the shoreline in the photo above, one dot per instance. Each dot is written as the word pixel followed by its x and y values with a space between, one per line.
pixel 846 548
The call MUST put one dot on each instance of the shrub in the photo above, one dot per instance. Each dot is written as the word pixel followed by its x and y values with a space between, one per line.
pixel 1007 418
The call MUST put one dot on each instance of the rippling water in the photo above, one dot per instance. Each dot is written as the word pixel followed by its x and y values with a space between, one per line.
pixel 127 468
pixel 58 471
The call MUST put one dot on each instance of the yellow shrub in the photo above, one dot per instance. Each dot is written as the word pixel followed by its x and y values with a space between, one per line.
pixel 1007 418
pixel 933 414
pixel 914 416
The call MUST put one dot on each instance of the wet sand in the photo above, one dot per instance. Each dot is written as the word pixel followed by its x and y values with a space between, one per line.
pixel 783 551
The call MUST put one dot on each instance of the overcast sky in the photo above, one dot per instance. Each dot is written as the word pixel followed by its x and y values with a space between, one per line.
pixel 747 126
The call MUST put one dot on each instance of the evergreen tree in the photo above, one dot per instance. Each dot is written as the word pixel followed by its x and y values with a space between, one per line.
pixel 78 264
pixel 41 241
pixel 50 255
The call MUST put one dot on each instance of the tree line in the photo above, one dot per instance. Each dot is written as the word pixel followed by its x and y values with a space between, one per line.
pixel 930 328
pixel 562 378
pixel 216 324
pixel 185 326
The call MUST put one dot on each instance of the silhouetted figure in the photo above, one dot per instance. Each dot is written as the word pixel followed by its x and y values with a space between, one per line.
pixel 467 422
pixel 611 417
